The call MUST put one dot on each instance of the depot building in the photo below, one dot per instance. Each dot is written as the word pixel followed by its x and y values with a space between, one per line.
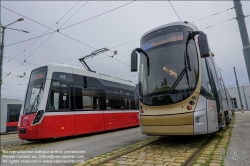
pixel 10 111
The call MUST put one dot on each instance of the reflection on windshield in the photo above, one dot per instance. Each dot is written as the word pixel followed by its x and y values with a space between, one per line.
pixel 35 91
pixel 35 98
pixel 166 65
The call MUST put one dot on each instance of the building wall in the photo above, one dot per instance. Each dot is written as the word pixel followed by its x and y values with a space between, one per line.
pixel 233 92
pixel 3 112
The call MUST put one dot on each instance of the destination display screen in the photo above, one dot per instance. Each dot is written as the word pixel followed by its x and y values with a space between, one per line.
pixel 167 38
pixel 38 74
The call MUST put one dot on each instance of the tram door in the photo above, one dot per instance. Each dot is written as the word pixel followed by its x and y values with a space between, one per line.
pixel 59 104
pixel 88 113
pixel 217 91
pixel 113 117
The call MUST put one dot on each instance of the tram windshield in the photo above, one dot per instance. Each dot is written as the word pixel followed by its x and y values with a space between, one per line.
pixel 166 49
pixel 35 90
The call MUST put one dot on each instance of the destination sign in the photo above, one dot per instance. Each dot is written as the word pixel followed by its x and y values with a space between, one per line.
pixel 38 76
pixel 168 38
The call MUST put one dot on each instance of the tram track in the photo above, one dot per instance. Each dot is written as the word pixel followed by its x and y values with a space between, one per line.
pixel 167 157
pixel 128 151
pixel 192 158
pixel 4 137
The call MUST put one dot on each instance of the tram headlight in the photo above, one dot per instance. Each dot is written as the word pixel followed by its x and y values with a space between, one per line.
pixel 194 98
pixel 191 102
pixel 38 117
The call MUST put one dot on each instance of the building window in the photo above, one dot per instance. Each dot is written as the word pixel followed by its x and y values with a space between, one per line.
pixel 13 112
pixel 234 102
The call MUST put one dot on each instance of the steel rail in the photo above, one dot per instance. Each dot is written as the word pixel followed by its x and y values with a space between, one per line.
pixel 192 158
pixel 127 151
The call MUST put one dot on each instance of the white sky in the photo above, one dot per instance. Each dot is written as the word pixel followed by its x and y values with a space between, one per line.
pixel 117 27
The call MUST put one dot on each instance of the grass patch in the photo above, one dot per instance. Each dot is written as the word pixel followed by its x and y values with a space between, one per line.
pixel 218 136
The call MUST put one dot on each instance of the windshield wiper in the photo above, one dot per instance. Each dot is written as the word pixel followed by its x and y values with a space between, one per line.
pixel 186 63
pixel 36 99
pixel 186 71
pixel 180 76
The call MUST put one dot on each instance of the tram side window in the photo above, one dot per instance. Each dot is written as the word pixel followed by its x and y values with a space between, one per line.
pixel 90 99
pixel 215 79
pixel 59 96
pixel 211 65
pixel 206 86
pixel 78 98
pixel 113 99
pixel 128 100
pixel 86 99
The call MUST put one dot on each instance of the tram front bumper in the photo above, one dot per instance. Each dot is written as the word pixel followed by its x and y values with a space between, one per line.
pixel 177 124
pixel 27 133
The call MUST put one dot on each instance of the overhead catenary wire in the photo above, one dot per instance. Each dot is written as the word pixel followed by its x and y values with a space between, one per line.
pixel 40 24
pixel 138 39
pixel 174 10
pixel 74 13
pixel 218 23
pixel 213 14
pixel 126 43
pixel 98 15
pixel 41 35
pixel 64 28
pixel 13 89
pixel 20 76
pixel 21 61
pixel 28 39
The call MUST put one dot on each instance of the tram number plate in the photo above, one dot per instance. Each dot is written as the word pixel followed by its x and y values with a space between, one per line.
pixel 63 76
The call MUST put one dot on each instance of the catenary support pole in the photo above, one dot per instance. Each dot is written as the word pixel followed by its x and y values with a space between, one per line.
pixel 241 105
pixel 1 64
pixel 245 97
pixel 243 33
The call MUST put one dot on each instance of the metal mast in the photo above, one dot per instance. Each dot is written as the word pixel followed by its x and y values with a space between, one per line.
pixel 238 89
pixel 243 33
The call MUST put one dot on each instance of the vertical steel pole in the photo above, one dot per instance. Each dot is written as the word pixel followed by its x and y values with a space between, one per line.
pixel 243 33
pixel 1 63
pixel 245 97
pixel 238 89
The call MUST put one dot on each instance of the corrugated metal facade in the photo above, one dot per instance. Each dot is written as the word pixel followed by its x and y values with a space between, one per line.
pixel 244 93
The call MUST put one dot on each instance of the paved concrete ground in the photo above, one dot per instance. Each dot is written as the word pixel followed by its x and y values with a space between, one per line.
pixel 238 153
pixel 84 147
pixel 10 139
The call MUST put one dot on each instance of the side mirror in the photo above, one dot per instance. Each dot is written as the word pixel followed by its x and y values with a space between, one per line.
pixel 203 43
pixel 134 61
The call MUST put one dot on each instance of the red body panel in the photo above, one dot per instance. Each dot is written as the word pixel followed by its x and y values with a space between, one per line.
pixel 88 123
pixel 31 131
pixel 10 124
pixel 55 125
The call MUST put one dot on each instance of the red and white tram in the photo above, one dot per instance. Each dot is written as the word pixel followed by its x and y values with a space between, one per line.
pixel 62 100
